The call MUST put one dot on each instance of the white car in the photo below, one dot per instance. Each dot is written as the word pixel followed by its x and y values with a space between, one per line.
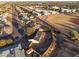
pixel 46 13
pixel 55 12
pixel 39 14
pixel 31 17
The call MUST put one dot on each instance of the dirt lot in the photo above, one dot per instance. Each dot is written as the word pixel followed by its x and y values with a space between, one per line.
pixel 62 21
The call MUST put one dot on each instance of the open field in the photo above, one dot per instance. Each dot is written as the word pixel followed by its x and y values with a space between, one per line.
pixel 61 21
